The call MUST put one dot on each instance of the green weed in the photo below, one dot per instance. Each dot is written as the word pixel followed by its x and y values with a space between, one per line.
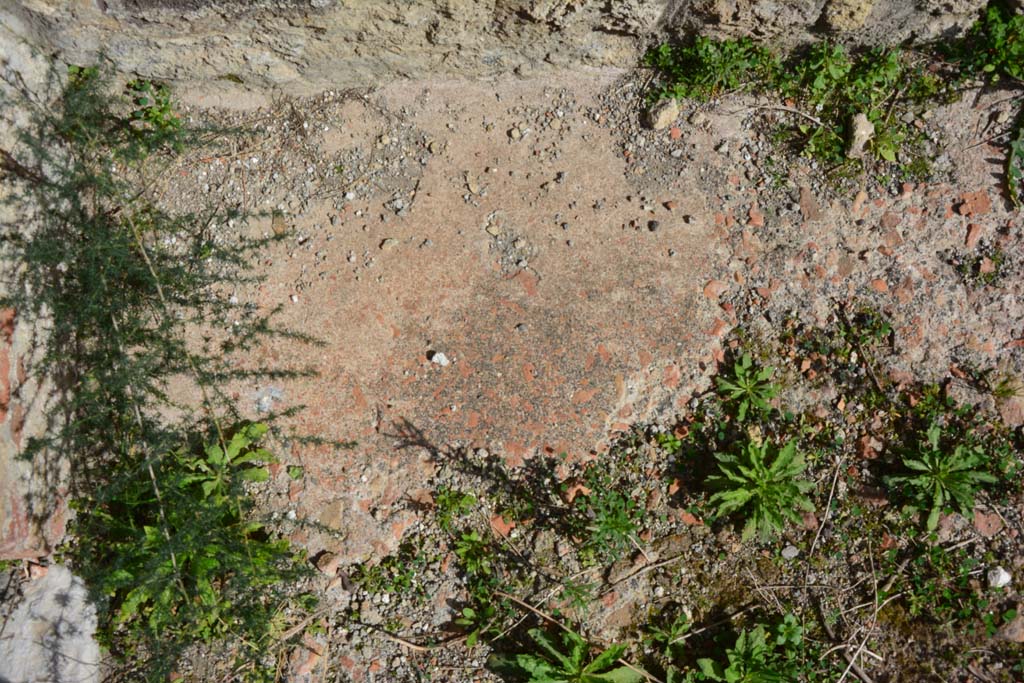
pixel 666 635
pixel 451 505
pixel 398 573
pixel 762 483
pixel 709 67
pixel 994 46
pixel 829 84
pixel 478 620
pixel 566 660
pixel 607 520
pixel 749 387
pixel 751 659
pixel 154 115
pixel 165 534
pixel 941 585
pixel 177 561
pixel 475 553
pixel 941 475
pixel 577 595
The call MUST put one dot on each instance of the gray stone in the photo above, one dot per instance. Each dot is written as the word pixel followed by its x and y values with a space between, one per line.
pixel 49 637
pixel 311 45
pixel 790 552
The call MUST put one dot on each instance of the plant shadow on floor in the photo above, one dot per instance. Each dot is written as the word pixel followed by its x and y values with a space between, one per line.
pixel 529 492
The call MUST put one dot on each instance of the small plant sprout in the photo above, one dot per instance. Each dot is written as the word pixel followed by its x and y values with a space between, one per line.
pixel 749 387
pixel 763 484
pixel 450 505
pixel 667 633
pixel 939 477
pixel 567 661
pixel 749 660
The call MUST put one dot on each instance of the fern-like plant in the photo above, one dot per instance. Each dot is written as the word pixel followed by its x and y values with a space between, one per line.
pixel 128 292
pixel 939 477
pixel 764 485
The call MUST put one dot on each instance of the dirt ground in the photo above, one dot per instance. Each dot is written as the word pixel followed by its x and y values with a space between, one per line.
pixel 520 269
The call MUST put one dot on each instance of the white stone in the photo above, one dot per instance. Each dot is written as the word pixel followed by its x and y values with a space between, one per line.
pixel 49 637
pixel 999 577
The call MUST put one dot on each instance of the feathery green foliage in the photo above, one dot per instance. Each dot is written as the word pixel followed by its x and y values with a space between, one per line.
pixel 763 483
pixel 128 296
pixel 606 518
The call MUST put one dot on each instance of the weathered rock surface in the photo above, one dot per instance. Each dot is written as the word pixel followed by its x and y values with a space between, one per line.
pixel 49 637
pixel 32 490
pixel 303 47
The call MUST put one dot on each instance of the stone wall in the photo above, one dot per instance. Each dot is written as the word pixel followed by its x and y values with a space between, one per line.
pixel 32 489
pixel 301 46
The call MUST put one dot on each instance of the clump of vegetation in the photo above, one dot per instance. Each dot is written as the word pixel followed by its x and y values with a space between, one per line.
pixel 831 85
pixel 165 534
pixel 397 573
pixel 938 584
pixel 179 563
pixel 941 475
pixel 763 483
pixel 607 519
pixel 567 661
pixel 709 68
pixel 994 46
pixel 748 388
pixel 827 86
pixel 752 658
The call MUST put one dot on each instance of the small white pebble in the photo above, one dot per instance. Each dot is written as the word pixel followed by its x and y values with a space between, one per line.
pixel 999 577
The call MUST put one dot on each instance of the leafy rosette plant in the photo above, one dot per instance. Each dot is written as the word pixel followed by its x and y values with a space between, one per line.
pixel 764 485
pixel 939 478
